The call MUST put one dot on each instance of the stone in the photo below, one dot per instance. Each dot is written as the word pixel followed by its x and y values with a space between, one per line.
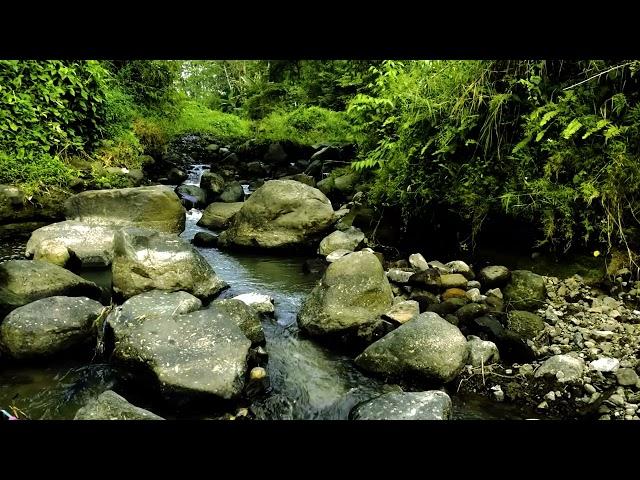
pixel 448 306
pixel 481 352
pixel 429 279
pixel 146 260
pixel 302 178
pixel 494 292
pixel 474 295
pixel 202 352
pixel 194 196
pixel 345 184
pixel 429 405
pixel 605 364
pixel 111 406
pixel 403 311
pixel 526 324
pixel 337 254
pixel 626 377
pixel 427 347
pixel 494 276
pixel 275 154
pixel 156 207
pixel 212 183
pixel 49 326
pixel 474 284
pixel 92 245
pixel 418 262
pixel 454 293
pixel 453 280
pixel 243 315
pixel 458 266
pixel 353 292
pixel 280 214
pixel 260 303
pixel 468 312
pixel 349 239
pixel 525 291
pixel 176 176
pixel 563 368
pixel 232 193
pixel 25 281
pixel 218 215
pixel 205 240
pixel 397 275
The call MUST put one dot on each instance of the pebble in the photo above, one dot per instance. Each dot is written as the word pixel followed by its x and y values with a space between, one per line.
pixel 605 417
pixel 628 417
pixel 605 364
pixel 551 396
pixel 617 400
pixel 498 393
pixel 543 405
pixel 473 284
pixel 626 376
pixel 589 388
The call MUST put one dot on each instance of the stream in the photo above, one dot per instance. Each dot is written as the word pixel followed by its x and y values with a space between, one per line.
pixel 308 381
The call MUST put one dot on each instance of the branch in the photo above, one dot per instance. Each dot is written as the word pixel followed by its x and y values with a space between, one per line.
pixel 599 75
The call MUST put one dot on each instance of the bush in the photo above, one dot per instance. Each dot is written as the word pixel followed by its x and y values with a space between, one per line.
pixel 196 118
pixel 36 172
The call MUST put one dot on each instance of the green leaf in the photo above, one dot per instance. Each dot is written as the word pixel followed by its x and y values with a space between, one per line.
pixel 571 129
pixel 548 116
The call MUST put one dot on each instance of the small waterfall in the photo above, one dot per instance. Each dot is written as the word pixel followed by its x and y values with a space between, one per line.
pixel 195 173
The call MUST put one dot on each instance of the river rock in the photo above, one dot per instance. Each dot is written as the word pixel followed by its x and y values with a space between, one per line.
pixel 198 352
pixel 52 251
pixel 156 207
pixel 525 291
pixel 25 281
pixel 111 406
pixel 429 279
pixel 454 293
pixel 418 262
pixel 232 193
pixel 349 239
pixel 453 280
pixel 243 315
pixel 91 244
pixel 337 254
pixel 494 276
pixel 205 240
pixel 458 266
pixel 468 312
pixel 566 368
pixel 195 196
pixel 48 326
pixel 280 214
pixel 398 275
pixel 275 154
pixel 346 183
pixel 403 311
pixel 428 347
pixel 511 345
pixel 605 364
pixel 526 324
pixel 176 176
pixel 626 377
pixel 430 405
pixel 212 183
pixel 146 260
pixel 482 352
pixel 260 303
pixel 218 215
pixel 302 178
pixel 353 292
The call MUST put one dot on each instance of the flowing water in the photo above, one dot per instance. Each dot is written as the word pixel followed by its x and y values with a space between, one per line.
pixel 308 381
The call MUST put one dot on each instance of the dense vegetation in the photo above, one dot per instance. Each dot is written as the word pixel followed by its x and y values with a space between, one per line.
pixel 552 143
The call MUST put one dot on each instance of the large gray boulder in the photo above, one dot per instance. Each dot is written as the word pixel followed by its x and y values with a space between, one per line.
pixel 427 347
pixel 48 326
pixel 349 239
pixel 218 215
pixel 156 207
pixel 430 405
pixel 280 214
pixel 525 291
pixel 91 244
pixel 146 260
pixel 353 292
pixel 192 353
pixel 111 406
pixel 25 281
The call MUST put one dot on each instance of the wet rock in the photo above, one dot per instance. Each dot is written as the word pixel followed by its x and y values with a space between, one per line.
pixel 428 347
pixel 176 176
pixel 511 345
pixel 258 382
pixel 430 405
pixel 482 352
pixel 525 324
pixel 232 193
pixel 350 239
pixel 205 240
pixel 494 276
pixel 48 326
pixel 92 245
pixel 156 207
pixel 25 281
pixel 212 183
pixel 218 215
pixel 260 303
pixel 399 276
pixel 146 260
pixel 563 368
pixel 525 291
pixel 403 311
pixel 243 315
pixel 111 406
pixel 353 292
pixel 337 254
pixel 202 352
pixel 281 213
pixel 315 265
pixel 418 262
pixel 195 196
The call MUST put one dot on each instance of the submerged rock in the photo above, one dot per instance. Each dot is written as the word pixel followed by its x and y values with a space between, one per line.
pixel 430 405
pixel 146 260
pixel 111 406
pixel 48 326
pixel 427 347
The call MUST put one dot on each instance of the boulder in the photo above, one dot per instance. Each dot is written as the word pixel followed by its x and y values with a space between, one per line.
pixel 302 178
pixel 218 215
pixel 146 260
pixel 353 292
pixel 193 194
pixel 52 251
pixel 25 281
pixel 397 275
pixel 349 239
pixel 427 347
pixel 458 266
pixel 275 154
pixel 346 183
pixel 429 279
pixel 260 303
pixel 176 176
pixel 156 207
pixel 280 214
pixel 453 280
pixel 526 324
pixel 232 193
pixel 242 315
pixel 512 345
pixel 525 291
pixel 92 245
pixel 201 352
pixel 111 406
pixel 430 405
pixel 563 368
pixel 482 352
pixel 337 254
pixel 48 326
pixel 212 183
pixel 494 276
pixel 205 240
pixel 418 262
